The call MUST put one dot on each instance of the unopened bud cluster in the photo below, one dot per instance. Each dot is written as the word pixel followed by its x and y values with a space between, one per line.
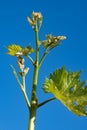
pixel 52 41
pixel 36 20
pixel 20 63
pixel 37 15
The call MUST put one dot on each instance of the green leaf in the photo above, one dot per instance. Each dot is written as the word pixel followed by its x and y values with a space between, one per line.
pixel 67 87
pixel 16 50
pixel 13 49
pixel 28 50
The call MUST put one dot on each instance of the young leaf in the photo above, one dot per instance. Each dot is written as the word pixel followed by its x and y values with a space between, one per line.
pixel 16 50
pixel 13 49
pixel 67 87
pixel 27 50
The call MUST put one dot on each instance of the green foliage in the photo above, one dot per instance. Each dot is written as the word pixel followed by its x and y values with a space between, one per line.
pixel 67 87
pixel 16 50
pixel 13 49
pixel 27 50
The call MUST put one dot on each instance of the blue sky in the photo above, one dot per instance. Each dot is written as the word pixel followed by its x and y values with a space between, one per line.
pixel 67 18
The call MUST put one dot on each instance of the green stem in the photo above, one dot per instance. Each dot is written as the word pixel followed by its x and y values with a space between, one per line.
pixel 22 86
pixel 17 78
pixel 43 57
pixel 29 57
pixel 24 92
pixel 34 102
pixel 26 98
pixel 23 82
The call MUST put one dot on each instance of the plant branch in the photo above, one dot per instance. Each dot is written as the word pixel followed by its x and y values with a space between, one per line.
pixel 16 76
pixel 23 82
pixel 24 92
pixel 43 57
pixel 34 102
pixel 26 98
pixel 22 86
pixel 30 58
pixel 45 102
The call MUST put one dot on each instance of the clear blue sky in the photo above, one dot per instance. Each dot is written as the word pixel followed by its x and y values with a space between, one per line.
pixel 60 17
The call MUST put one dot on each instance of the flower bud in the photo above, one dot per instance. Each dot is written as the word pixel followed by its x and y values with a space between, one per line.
pixel 32 22
pixel 37 15
pixel 21 66
pixel 61 37
pixel 36 20
pixel 26 70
